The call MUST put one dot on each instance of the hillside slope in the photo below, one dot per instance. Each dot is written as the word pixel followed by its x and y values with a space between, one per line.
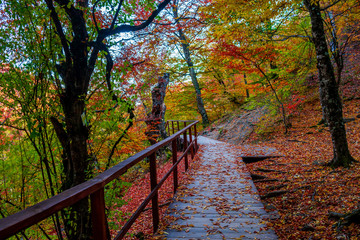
pixel 235 128
pixel 309 196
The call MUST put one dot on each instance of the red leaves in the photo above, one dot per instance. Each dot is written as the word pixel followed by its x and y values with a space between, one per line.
pixel 294 103
pixel 137 193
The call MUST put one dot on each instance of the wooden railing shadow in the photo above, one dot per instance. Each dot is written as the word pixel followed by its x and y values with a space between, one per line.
pixel 94 188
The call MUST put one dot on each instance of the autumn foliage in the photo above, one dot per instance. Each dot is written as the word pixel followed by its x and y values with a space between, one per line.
pixel 222 56
pixel 315 196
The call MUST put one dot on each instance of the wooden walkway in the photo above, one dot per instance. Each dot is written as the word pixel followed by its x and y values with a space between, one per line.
pixel 222 201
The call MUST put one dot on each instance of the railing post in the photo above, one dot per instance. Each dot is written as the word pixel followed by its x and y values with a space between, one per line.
pixel 168 127
pixel 174 157
pixel 186 155
pixel 172 125
pixel 153 183
pixel 98 215
pixel 195 134
pixel 191 149
pixel 178 125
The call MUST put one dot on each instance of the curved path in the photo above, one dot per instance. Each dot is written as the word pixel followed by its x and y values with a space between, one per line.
pixel 222 201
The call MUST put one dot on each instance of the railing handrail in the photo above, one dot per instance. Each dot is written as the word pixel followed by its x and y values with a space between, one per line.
pixel 38 212
pixel 180 120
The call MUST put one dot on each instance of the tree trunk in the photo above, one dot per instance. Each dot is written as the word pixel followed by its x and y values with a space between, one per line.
pixel 334 48
pixel 329 94
pixel 190 64
pixel 76 67
pixel 218 76
pixel 76 162
pixel 247 90
pixel 79 215
pixel 155 120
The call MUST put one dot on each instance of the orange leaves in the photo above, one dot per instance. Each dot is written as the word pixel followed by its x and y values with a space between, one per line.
pixel 245 58
pixel 314 190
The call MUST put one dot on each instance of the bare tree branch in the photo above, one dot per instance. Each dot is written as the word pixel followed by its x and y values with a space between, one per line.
pixel 93 15
pixel 116 14
pixel 129 28
pixel 329 6
pixel 284 38
pixel 11 126
pixel 59 29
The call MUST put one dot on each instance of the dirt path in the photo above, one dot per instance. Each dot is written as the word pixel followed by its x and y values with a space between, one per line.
pixel 222 201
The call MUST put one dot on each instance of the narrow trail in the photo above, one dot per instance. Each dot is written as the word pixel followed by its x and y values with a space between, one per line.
pixel 222 201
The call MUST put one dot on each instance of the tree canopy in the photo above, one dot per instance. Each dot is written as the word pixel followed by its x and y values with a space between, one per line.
pixel 77 78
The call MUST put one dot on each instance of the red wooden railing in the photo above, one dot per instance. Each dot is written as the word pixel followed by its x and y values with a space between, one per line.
pixel 94 188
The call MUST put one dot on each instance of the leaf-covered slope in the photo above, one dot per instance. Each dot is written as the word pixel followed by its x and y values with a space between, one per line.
pixel 311 193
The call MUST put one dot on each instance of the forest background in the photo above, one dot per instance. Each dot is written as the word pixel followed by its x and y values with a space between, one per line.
pixel 76 81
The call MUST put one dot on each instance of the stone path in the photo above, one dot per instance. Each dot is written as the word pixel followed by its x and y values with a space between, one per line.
pixel 222 201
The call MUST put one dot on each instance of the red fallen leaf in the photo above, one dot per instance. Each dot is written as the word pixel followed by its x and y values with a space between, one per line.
pixel 138 191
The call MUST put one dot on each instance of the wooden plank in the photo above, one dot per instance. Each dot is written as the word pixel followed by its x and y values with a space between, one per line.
pixel 186 155
pixel 221 202
pixel 153 183
pixel 98 216
pixel 185 121
pixel 195 134
pixel 174 159
pixel 191 151
pixel 36 213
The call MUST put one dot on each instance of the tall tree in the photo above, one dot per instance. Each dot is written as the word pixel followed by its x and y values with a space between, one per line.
pixel 329 89
pixel 177 36
pixel 84 31
pixel 243 41
pixel 185 45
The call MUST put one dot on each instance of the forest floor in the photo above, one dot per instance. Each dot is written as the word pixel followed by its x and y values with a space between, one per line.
pixel 308 195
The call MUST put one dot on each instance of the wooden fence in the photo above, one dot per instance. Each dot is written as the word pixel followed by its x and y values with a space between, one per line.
pixel 94 188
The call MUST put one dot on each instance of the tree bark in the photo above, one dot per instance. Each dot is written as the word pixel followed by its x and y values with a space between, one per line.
pixel 76 133
pixel 190 64
pixel 247 90
pixel 329 90
pixel 155 119
pixel 75 70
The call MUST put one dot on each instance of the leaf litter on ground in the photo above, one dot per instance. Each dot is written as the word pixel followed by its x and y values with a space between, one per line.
pixel 312 191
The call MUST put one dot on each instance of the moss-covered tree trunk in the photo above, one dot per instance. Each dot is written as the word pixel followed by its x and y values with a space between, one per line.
pixel 155 119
